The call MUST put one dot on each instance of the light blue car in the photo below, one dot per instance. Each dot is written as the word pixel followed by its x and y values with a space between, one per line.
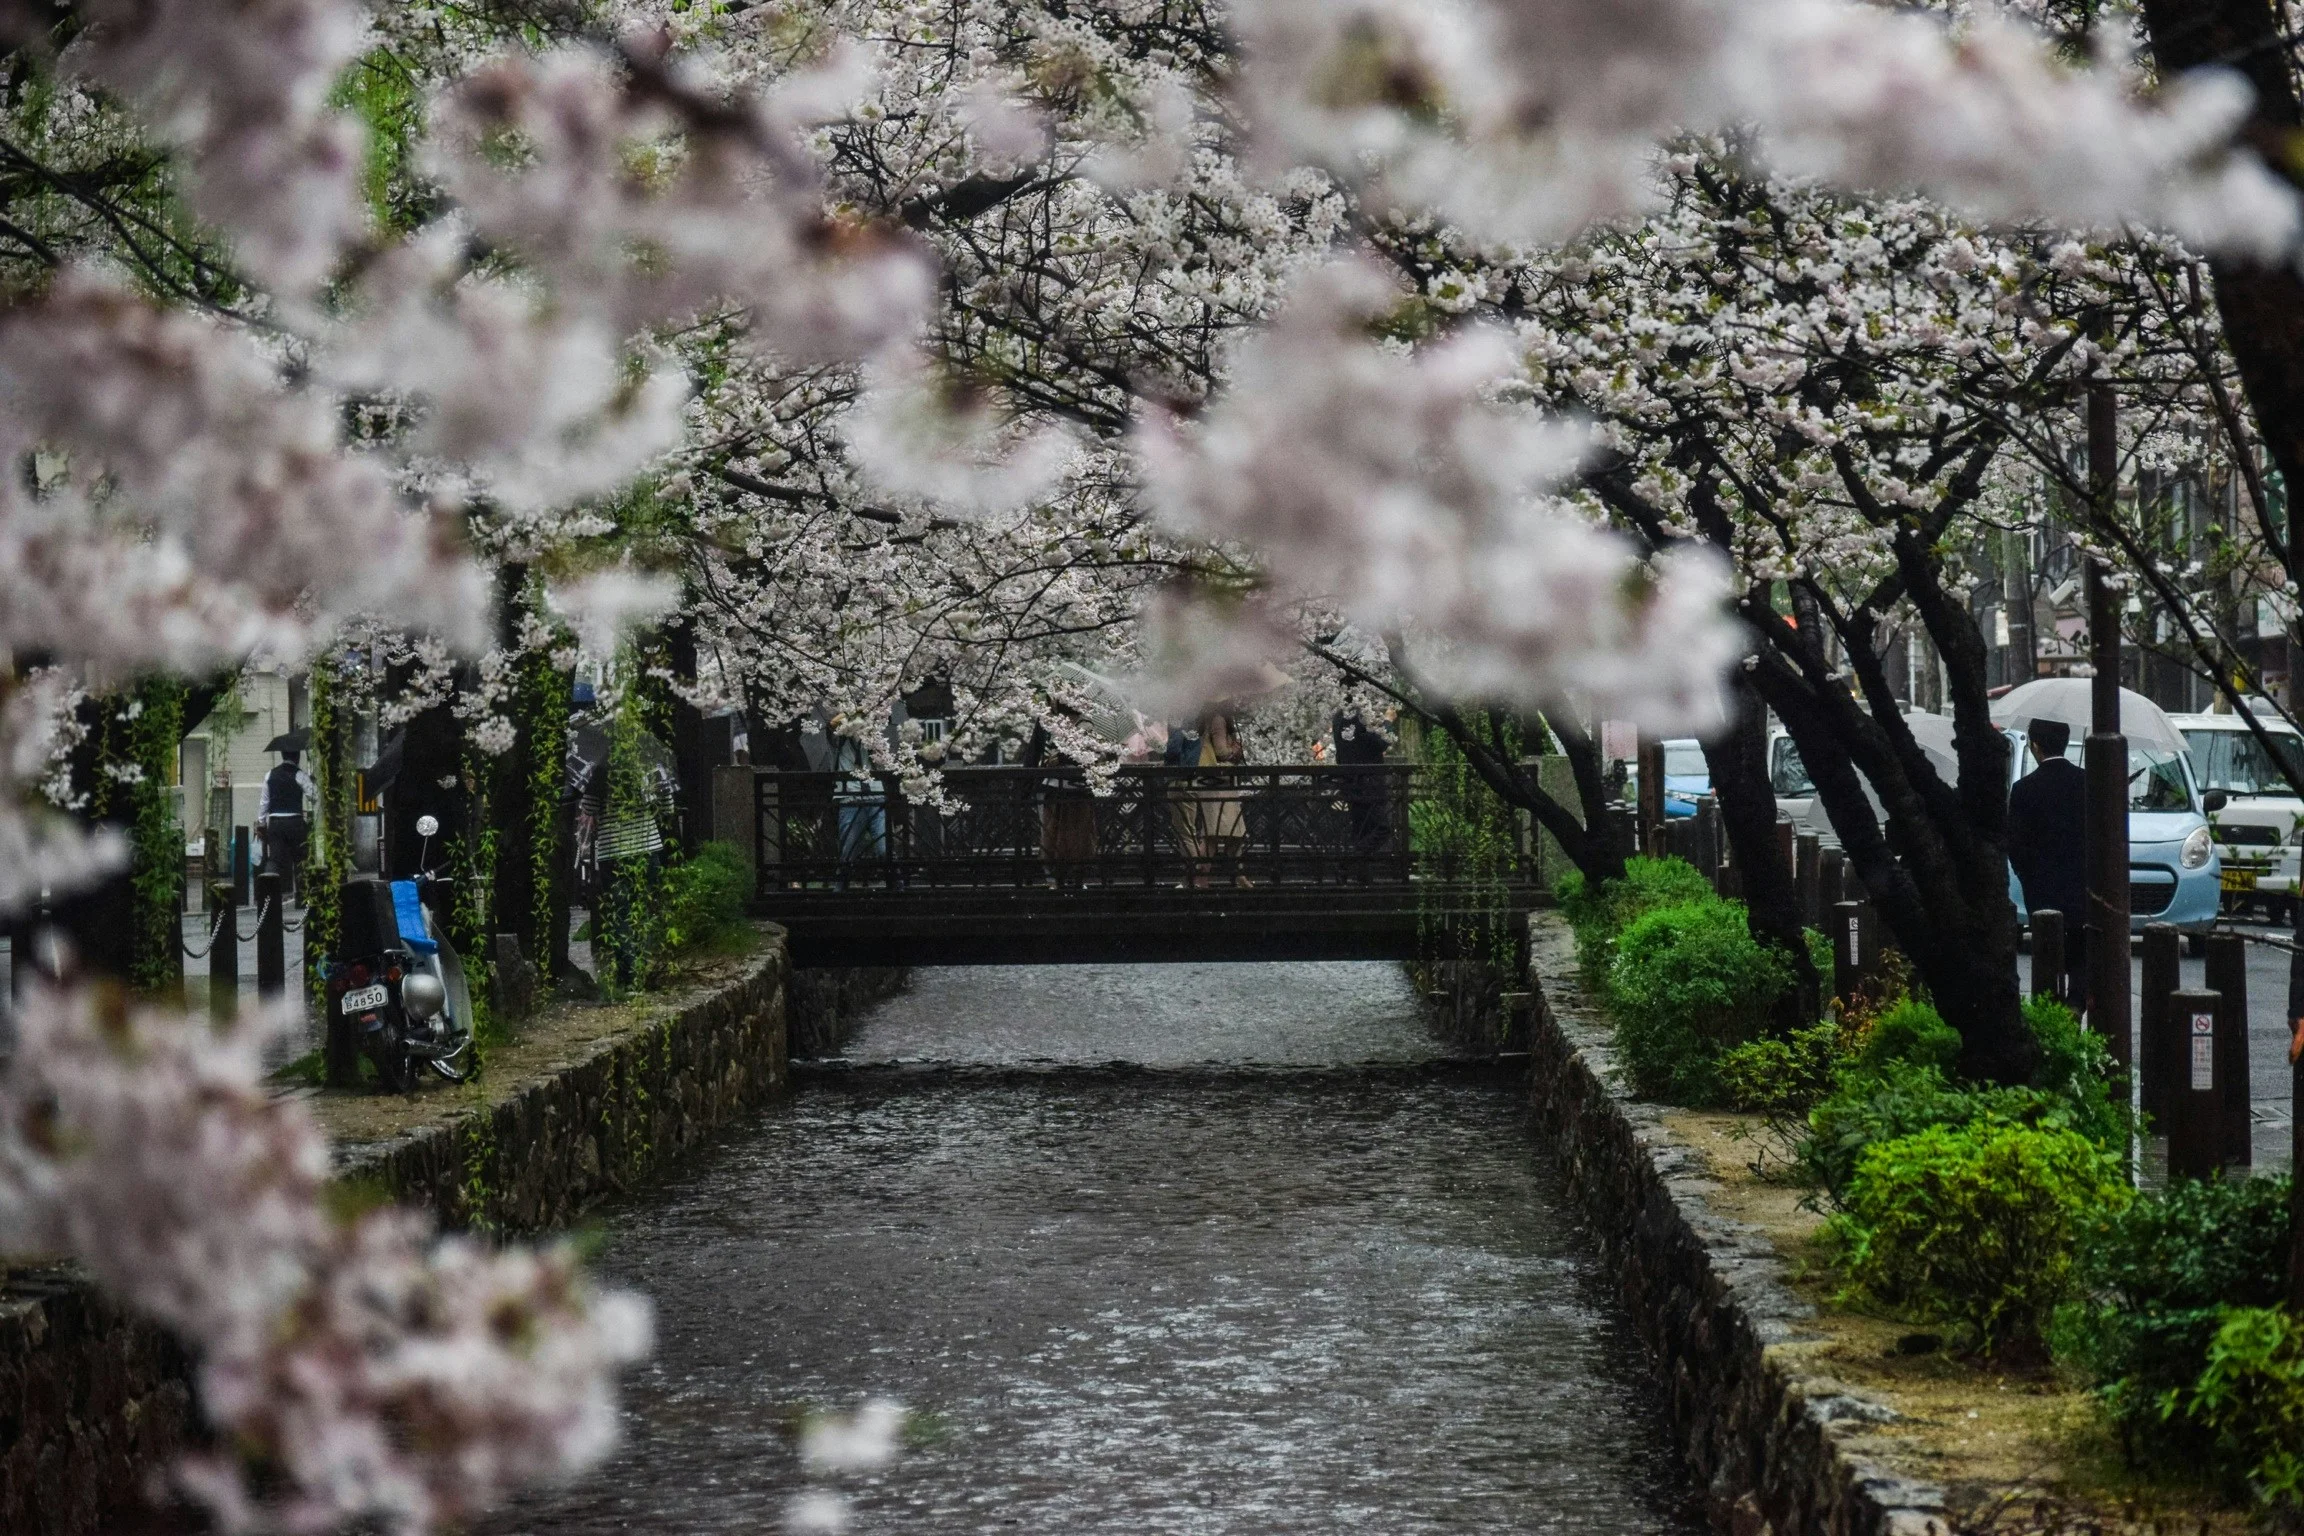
pixel 2174 873
pixel 1687 776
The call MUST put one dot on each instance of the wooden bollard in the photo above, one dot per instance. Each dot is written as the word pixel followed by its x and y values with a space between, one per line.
pixel 2228 979
pixel 224 954
pixel 1708 857
pixel 271 937
pixel 2048 953
pixel 1852 947
pixel 2158 1066
pixel 1807 852
pixel 1831 879
pixel 2196 1099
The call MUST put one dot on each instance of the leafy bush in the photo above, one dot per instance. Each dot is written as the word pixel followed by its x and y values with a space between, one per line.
pixel 1899 1081
pixel 1781 1079
pixel 2249 1401
pixel 2076 1070
pixel 1909 1030
pixel 1975 1225
pixel 1895 1100
pixel 2158 1279
pixel 705 896
pixel 1597 916
pixel 1687 983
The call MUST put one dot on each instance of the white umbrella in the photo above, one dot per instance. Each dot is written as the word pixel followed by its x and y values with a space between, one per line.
pixel 2068 699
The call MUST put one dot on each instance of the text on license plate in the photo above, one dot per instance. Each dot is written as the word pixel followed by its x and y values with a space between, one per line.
pixel 361 999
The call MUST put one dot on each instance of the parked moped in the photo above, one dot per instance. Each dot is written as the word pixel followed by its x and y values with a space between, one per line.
pixel 396 991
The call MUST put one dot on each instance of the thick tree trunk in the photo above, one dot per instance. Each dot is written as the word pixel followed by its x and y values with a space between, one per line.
pixel 1738 759
pixel 1585 834
pixel 1936 864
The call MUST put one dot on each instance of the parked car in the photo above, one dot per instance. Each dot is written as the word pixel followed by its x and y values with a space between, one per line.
pixel 1687 777
pixel 2174 875
pixel 1788 776
pixel 2259 829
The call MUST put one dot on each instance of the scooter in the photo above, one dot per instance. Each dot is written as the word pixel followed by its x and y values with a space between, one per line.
pixel 397 994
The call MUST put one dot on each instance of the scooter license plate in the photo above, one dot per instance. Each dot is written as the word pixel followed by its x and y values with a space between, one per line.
pixel 361 999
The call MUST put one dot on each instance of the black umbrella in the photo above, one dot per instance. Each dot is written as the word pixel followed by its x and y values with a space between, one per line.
pixel 290 741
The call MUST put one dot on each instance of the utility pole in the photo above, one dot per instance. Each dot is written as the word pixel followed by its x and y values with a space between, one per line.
pixel 2109 1013
pixel 2016 603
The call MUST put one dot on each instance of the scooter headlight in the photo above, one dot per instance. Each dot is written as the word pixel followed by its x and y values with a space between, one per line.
pixel 422 995
pixel 2196 851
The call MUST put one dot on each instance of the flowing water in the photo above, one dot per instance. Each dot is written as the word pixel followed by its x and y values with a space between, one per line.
pixel 1234 1290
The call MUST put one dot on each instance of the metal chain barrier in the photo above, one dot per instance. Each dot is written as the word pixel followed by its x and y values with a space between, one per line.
pixel 214 929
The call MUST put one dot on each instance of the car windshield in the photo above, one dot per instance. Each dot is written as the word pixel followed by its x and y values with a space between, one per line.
pixel 1685 760
pixel 2236 762
pixel 1786 773
pixel 2156 779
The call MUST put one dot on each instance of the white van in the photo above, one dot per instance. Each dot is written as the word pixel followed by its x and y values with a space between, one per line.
pixel 2256 829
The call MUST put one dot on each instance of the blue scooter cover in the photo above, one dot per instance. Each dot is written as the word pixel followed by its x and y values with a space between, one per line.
pixel 409 912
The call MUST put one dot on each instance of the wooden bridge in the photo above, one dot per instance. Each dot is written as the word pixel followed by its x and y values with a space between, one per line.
pixel 1049 865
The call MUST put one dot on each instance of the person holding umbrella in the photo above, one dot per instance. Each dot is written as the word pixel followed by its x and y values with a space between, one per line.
pixel 281 812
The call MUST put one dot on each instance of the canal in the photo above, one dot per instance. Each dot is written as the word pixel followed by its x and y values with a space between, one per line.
pixel 1144 1258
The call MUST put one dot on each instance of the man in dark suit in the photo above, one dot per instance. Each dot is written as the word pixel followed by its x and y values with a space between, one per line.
pixel 2048 843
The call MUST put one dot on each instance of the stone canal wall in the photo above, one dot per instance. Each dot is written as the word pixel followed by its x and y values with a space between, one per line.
pixel 592 1100
pixel 621 1096
pixel 1778 1448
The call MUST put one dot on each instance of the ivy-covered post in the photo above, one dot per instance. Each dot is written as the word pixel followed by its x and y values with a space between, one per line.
pixel 530 858
pixel 472 860
pixel 151 727
pixel 628 930
pixel 328 855
pixel 129 925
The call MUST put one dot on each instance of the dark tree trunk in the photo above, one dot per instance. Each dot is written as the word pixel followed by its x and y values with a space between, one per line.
pixel 1936 864
pixel 1738 759
pixel 1587 835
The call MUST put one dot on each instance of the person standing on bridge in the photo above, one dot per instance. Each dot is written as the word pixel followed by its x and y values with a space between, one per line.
pixel 1210 821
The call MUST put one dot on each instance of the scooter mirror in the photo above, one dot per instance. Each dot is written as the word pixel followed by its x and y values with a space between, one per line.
pixel 427 826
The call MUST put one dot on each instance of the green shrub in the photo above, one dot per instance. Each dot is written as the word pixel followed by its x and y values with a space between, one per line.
pixel 1899 1082
pixel 1896 1100
pixel 705 896
pixel 1909 1030
pixel 2158 1279
pixel 2076 1070
pixel 1781 1078
pixel 2249 1401
pixel 1687 983
pixel 1975 1225
pixel 1598 916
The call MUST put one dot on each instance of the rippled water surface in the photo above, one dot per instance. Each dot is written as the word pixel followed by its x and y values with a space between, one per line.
pixel 1203 1301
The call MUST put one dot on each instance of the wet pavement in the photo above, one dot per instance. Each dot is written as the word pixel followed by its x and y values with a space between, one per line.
pixel 2270 1079
pixel 1240 1292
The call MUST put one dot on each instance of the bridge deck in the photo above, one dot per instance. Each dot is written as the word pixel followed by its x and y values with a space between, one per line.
pixel 1029 865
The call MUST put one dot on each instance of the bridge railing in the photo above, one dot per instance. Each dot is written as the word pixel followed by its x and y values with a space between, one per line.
pixel 1292 825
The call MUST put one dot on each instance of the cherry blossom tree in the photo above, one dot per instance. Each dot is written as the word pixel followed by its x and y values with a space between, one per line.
pixel 879 344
